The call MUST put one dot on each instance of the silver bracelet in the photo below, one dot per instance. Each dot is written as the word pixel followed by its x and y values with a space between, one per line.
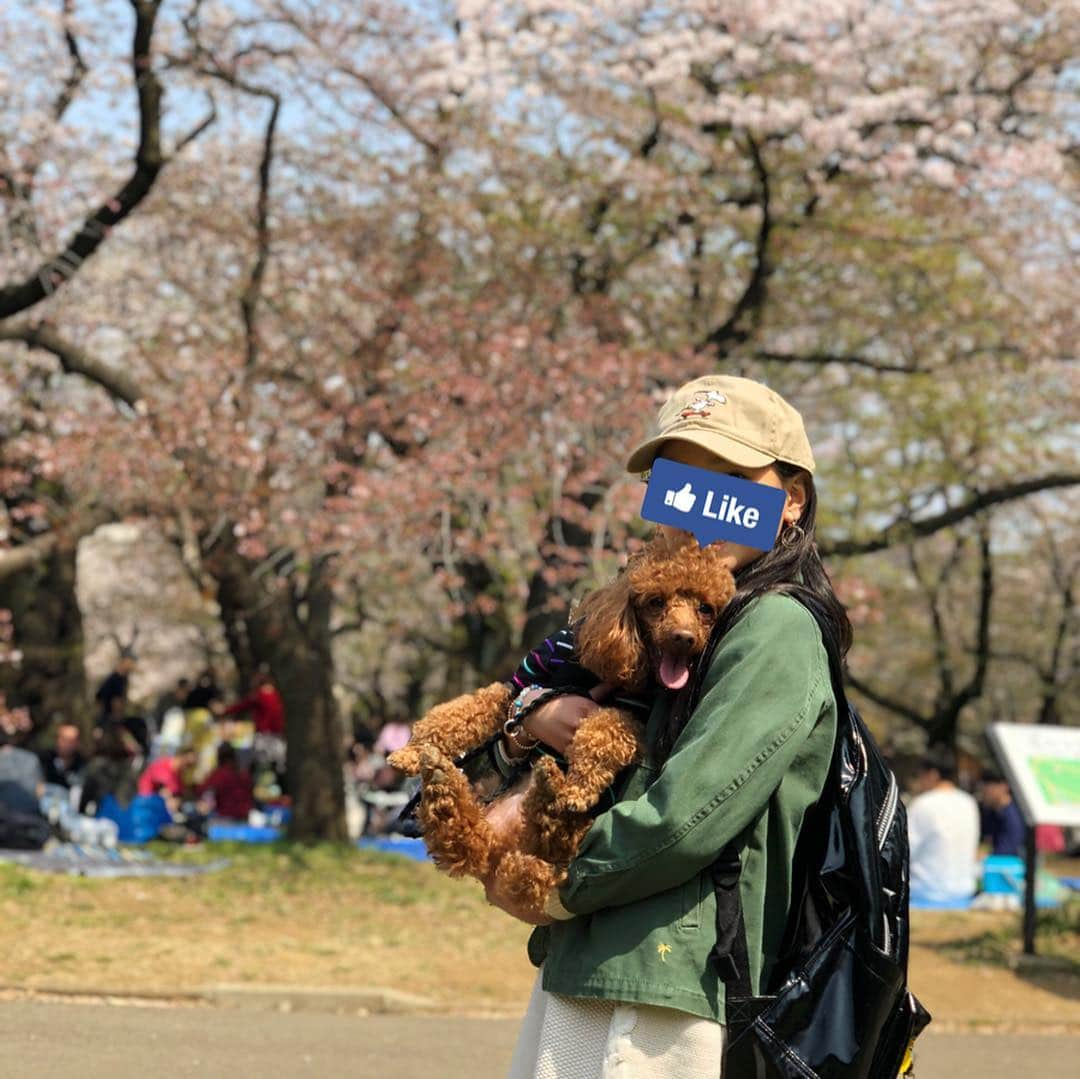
pixel 503 764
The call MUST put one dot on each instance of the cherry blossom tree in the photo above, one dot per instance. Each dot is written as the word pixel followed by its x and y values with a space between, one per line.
pixel 377 297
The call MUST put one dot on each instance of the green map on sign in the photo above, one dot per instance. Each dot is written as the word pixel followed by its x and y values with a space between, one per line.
pixel 1059 780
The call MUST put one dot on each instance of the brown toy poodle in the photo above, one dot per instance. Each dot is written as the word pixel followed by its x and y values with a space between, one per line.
pixel 643 630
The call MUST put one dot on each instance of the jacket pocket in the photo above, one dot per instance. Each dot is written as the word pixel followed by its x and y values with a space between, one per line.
pixel 693 899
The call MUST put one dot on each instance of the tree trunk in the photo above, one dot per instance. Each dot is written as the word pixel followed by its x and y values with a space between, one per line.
pixel 292 636
pixel 50 680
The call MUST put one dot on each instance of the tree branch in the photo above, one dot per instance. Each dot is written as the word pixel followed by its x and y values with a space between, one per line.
pixel 19 559
pixel 903 530
pixel 891 703
pixel 249 302
pixel 822 358
pixel 74 360
pixel 78 65
pixel 51 274
pixel 27 555
pixel 753 295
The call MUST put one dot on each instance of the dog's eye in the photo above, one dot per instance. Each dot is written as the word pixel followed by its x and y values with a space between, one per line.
pixel 707 610
pixel 655 603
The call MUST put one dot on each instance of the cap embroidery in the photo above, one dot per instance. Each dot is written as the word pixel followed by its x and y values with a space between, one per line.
pixel 702 403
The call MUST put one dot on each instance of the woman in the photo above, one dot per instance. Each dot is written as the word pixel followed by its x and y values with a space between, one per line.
pixel 626 986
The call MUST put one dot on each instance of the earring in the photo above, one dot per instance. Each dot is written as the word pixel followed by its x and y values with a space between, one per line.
pixel 791 536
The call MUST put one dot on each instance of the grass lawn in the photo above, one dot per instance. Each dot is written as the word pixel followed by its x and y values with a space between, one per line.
pixel 338 917
pixel 320 916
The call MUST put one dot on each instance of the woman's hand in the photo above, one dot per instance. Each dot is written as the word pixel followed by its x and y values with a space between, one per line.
pixel 556 722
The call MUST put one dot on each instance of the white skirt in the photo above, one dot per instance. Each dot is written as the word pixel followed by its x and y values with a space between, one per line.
pixel 586 1038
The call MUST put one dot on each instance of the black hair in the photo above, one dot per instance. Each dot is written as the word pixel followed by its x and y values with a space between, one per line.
pixel 226 753
pixel 940 759
pixel 791 568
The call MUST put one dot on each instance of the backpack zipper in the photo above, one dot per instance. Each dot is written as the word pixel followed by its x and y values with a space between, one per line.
pixel 888 811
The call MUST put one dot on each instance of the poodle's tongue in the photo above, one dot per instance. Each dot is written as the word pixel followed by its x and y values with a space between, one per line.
pixel 674 672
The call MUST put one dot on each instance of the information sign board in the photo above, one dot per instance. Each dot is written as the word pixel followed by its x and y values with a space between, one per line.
pixel 1042 765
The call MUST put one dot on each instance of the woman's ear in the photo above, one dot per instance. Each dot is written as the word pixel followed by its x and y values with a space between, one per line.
pixel 796 500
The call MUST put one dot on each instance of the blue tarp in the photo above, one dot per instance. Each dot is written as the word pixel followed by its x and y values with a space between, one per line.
pixel 140 821
pixel 242 833
pixel 410 848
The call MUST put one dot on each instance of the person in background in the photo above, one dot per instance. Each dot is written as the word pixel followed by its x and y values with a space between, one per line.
pixel 363 761
pixel 167 776
pixel 227 790
pixel 394 735
pixel 170 703
pixel 115 688
pixel 1002 823
pixel 111 770
pixel 263 703
pixel 943 833
pixel 171 698
pixel 126 717
pixel 64 764
pixel 267 710
pixel 22 782
pixel 204 694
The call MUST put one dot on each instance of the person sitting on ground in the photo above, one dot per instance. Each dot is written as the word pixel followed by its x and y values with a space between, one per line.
pixel 22 781
pixel 124 716
pixel 63 765
pixel 110 771
pixel 229 788
pixel 1002 822
pixel 167 776
pixel 943 832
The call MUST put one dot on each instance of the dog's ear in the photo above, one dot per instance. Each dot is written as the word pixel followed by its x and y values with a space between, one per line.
pixel 718 585
pixel 608 637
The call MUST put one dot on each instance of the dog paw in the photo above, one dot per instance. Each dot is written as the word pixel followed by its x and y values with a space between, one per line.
pixel 405 760
pixel 574 801
pixel 434 765
pixel 548 778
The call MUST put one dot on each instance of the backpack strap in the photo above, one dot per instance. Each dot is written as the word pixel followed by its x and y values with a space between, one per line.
pixel 729 953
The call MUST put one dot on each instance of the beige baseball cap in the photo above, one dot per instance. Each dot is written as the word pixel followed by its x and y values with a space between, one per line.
pixel 736 418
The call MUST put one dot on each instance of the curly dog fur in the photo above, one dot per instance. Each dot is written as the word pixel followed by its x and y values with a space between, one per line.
pixel 656 616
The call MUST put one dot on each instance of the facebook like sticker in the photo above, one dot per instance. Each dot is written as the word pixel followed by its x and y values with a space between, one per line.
pixel 713 506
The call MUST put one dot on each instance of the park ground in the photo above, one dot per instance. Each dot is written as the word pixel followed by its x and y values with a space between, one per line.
pixel 351 921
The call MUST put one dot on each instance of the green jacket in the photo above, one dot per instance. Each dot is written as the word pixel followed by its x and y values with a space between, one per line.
pixel 750 761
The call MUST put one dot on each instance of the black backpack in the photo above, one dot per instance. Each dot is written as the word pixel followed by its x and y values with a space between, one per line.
pixel 839 1007
pixel 22 831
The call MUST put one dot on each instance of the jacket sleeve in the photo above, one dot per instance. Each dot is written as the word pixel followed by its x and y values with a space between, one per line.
pixel 765 689
pixel 245 704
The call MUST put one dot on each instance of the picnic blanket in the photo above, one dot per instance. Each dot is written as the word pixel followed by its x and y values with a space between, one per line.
pixel 80 861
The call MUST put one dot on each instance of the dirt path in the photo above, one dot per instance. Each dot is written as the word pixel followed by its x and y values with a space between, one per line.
pixel 1043 995
pixel 57 1041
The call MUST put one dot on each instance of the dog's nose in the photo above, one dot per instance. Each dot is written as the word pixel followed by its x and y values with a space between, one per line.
pixel 683 640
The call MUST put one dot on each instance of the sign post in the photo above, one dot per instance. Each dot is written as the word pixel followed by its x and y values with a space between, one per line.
pixel 1042 765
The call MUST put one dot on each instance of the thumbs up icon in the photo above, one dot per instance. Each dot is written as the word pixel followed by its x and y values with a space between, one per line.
pixel 683 500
